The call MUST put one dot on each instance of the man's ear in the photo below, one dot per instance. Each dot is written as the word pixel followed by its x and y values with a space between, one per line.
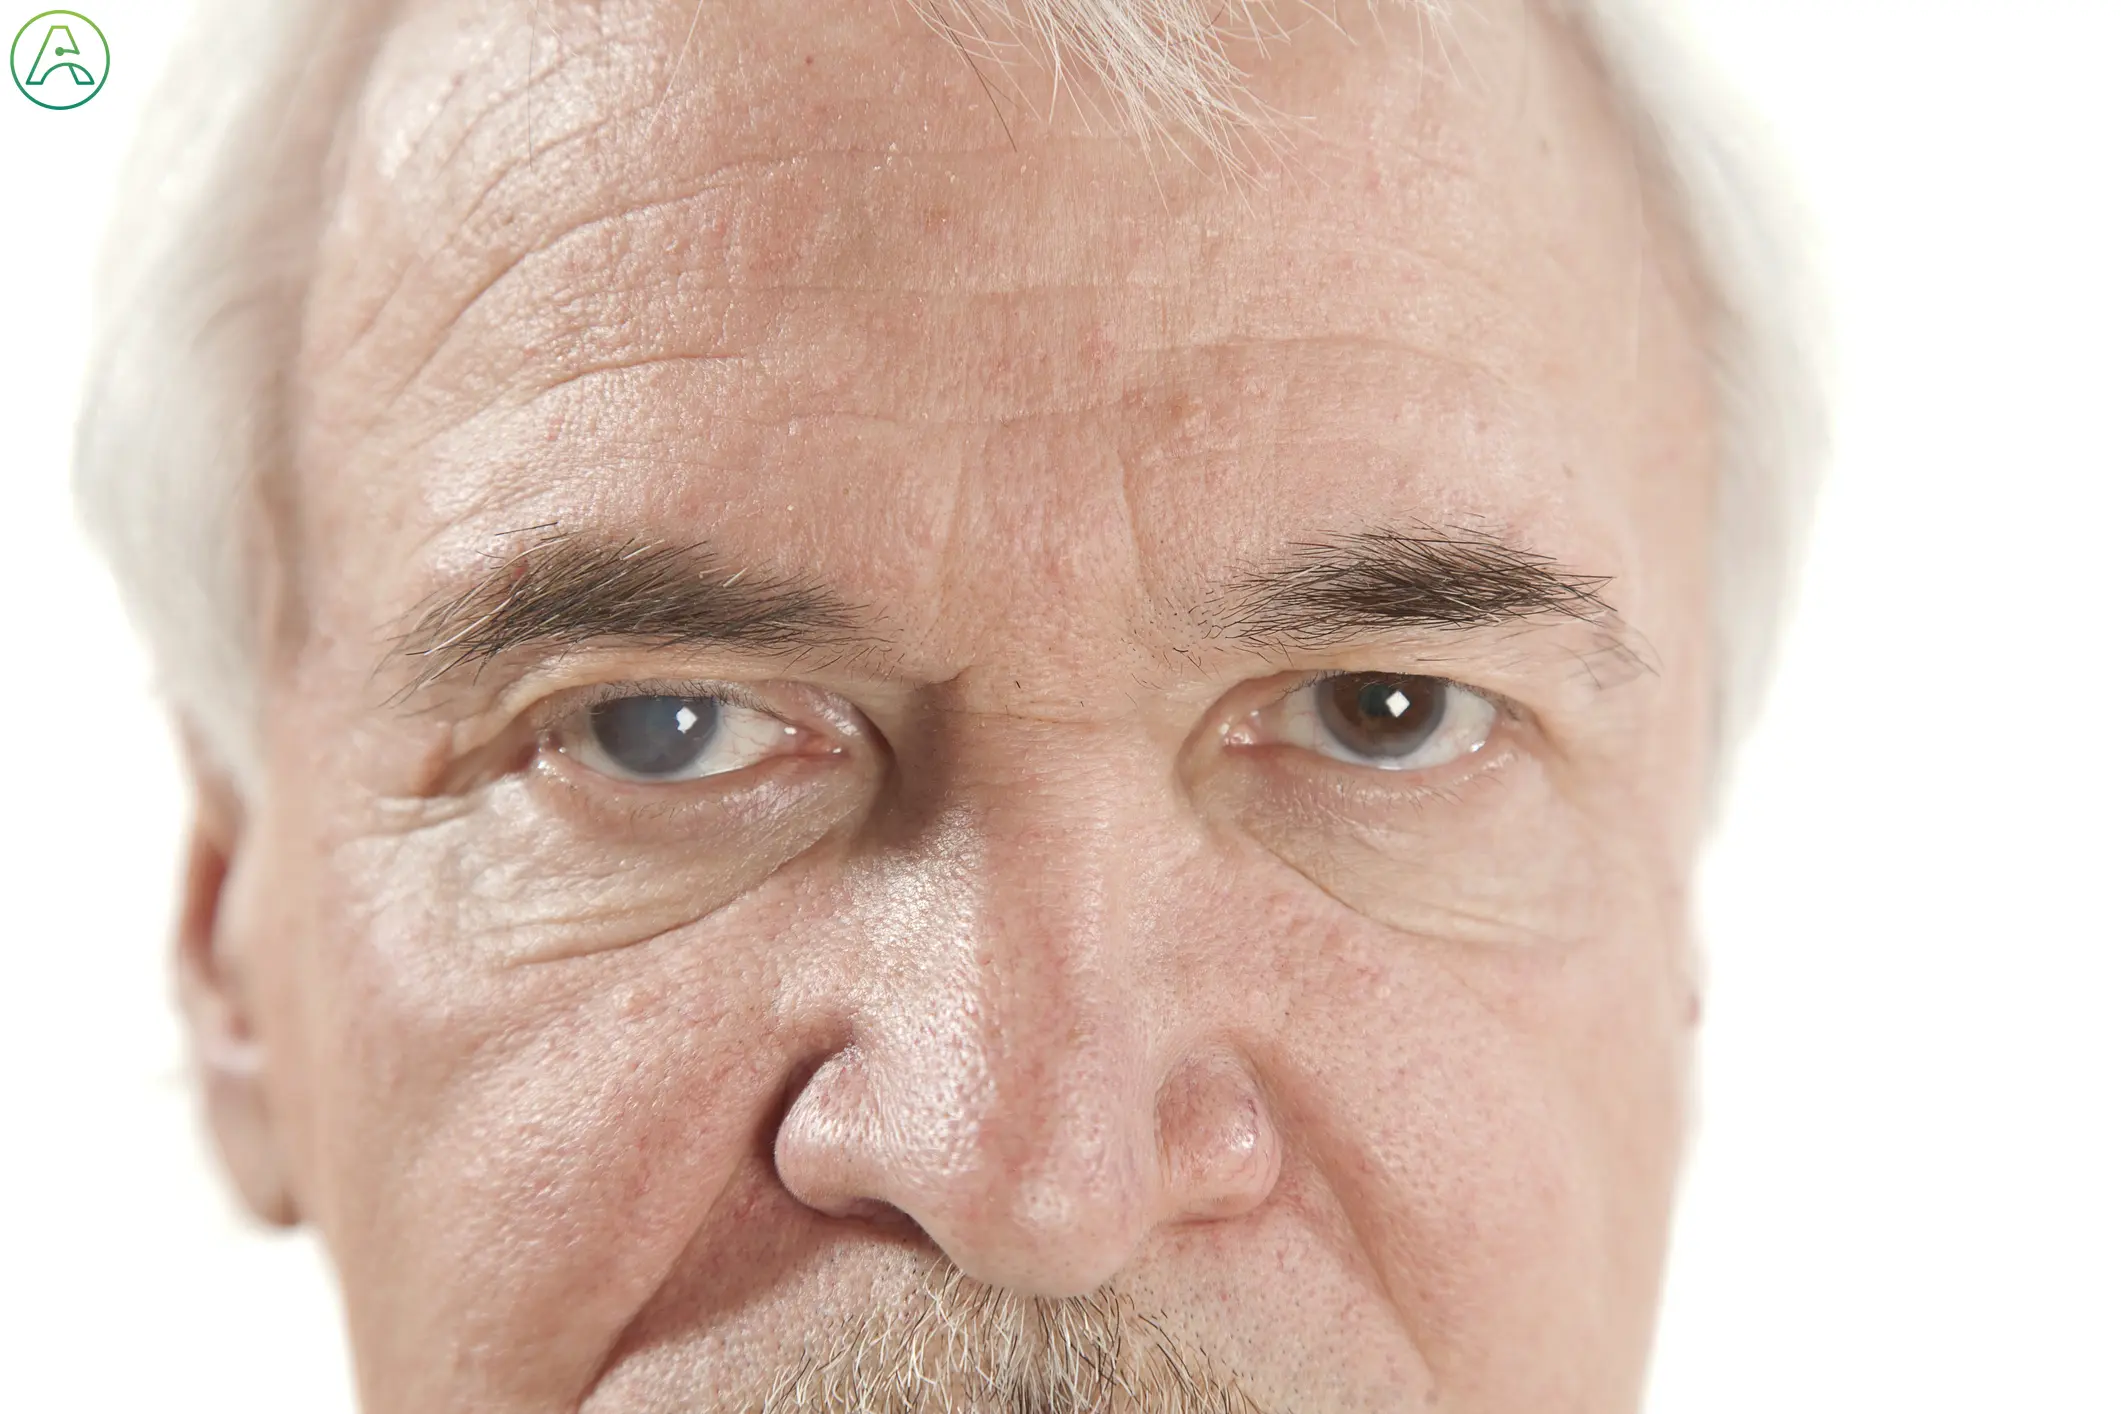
pixel 218 1005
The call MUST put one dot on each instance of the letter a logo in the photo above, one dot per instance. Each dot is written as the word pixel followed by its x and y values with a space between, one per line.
pixel 60 59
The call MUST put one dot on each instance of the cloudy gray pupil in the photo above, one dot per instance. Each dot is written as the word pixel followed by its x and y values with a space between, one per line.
pixel 654 736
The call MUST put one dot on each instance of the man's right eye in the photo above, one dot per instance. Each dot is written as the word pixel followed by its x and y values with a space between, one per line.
pixel 655 737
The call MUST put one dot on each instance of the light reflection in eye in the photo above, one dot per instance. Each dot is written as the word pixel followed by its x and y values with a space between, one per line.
pixel 1388 721
pixel 659 737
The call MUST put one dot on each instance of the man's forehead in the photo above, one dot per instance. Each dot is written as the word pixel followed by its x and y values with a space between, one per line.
pixel 592 163
pixel 676 267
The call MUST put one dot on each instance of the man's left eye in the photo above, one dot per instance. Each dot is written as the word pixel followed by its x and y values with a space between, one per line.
pixel 1389 721
pixel 655 737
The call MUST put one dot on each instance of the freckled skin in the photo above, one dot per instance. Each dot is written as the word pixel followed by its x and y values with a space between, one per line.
pixel 611 1096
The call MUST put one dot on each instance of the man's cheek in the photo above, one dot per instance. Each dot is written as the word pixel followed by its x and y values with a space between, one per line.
pixel 547 1206
pixel 535 867
pixel 533 1067
pixel 1479 1037
pixel 1460 1116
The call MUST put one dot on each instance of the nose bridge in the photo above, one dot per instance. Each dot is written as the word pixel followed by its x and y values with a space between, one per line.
pixel 1027 1055
pixel 1057 812
pixel 1041 833
pixel 1011 1078
pixel 1000 1085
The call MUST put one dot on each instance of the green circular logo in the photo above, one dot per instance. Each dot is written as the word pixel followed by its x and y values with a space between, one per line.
pixel 60 59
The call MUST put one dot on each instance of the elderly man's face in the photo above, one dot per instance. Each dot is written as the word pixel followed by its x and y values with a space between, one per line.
pixel 1005 770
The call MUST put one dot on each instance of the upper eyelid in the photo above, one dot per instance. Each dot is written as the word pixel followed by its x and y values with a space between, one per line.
pixel 558 706
pixel 506 737
pixel 565 702
pixel 1504 706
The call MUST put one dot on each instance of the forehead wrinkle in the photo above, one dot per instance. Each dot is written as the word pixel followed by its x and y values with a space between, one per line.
pixel 495 101
pixel 517 498
pixel 727 178
pixel 472 225
pixel 557 71
pixel 465 306
pixel 1480 352
pixel 723 178
pixel 768 302
pixel 458 240
pixel 1137 361
pixel 1121 393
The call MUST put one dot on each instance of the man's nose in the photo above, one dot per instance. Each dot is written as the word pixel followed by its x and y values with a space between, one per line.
pixel 1017 1078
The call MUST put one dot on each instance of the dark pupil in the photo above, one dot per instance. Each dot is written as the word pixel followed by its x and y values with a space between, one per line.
pixel 654 736
pixel 1380 714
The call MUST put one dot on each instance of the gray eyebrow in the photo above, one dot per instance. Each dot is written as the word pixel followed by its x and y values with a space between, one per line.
pixel 1333 590
pixel 565 589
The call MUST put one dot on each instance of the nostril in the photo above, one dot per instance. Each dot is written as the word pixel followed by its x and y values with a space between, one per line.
pixel 887 1217
pixel 824 1147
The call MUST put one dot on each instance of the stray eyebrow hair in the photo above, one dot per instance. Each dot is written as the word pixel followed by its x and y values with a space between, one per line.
pixel 567 589
pixel 1330 591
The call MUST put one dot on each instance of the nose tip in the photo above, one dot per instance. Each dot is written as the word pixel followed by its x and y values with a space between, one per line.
pixel 1046 1194
pixel 1052 1194
pixel 1042 1237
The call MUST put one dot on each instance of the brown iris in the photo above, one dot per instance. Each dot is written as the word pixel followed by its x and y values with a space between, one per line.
pixel 1383 715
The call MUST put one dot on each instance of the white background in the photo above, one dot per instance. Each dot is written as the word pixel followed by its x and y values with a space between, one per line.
pixel 1904 1189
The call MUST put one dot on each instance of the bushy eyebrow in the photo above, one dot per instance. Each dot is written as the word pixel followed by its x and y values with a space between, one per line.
pixel 567 589
pixel 1331 591
pixel 564 589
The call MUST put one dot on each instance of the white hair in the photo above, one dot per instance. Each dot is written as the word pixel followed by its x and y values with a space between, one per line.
pixel 189 397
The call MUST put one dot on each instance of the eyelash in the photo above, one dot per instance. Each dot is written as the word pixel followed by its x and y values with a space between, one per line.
pixel 561 706
pixel 548 720
pixel 1504 707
